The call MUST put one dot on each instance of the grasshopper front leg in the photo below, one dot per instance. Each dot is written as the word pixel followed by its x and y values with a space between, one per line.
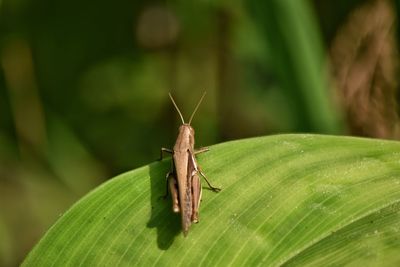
pixel 165 150
pixel 201 150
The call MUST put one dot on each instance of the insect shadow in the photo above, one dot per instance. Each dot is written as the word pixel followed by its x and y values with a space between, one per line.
pixel 167 223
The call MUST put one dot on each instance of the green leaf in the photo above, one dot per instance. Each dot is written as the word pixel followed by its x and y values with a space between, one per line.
pixel 286 200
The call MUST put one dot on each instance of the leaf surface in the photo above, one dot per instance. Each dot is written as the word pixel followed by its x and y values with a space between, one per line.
pixel 286 200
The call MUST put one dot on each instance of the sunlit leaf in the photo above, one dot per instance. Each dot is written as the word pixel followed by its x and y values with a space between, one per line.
pixel 286 200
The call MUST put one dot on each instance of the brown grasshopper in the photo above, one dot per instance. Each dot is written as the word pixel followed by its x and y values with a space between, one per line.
pixel 183 180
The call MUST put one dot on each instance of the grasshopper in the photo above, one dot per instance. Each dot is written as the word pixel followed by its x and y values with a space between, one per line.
pixel 183 181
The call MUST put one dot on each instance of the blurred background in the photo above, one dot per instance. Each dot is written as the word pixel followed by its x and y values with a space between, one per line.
pixel 84 87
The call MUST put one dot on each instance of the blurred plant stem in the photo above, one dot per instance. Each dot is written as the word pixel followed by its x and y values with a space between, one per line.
pixel 299 62
pixel 50 168
pixel 27 108
pixel 226 86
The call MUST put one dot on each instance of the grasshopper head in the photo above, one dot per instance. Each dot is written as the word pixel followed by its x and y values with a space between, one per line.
pixel 186 130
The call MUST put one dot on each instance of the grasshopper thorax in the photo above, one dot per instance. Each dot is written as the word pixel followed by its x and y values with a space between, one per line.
pixel 185 138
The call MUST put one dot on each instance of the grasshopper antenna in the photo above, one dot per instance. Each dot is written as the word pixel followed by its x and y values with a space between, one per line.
pixel 179 112
pixel 198 104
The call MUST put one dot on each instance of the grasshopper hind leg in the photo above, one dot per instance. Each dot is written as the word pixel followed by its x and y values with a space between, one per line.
pixel 215 189
pixel 173 188
pixel 196 196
